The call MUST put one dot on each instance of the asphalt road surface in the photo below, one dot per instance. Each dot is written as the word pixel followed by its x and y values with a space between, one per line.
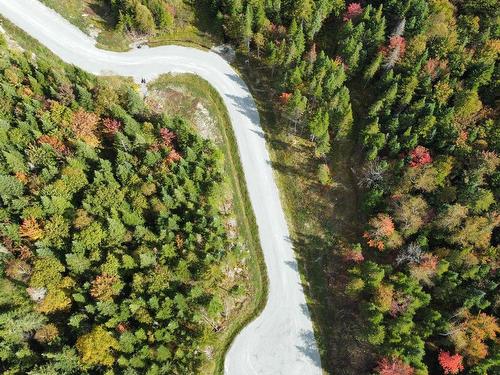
pixel 281 339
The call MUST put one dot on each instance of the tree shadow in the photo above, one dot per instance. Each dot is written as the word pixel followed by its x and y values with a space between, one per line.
pixel 277 144
pixel 308 348
pixel 337 318
pixel 292 265
pixel 305 309
pixel 260 133
pixel 246 106
pixel 284 168
pixel 103 11
pixel 237 79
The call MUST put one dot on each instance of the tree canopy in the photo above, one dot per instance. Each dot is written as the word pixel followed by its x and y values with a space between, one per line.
pixel 111 233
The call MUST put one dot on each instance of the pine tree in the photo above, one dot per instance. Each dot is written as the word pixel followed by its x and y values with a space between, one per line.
pixel 318 126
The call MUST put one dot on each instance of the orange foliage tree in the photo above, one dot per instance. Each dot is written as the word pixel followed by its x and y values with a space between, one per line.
pixel 84 125
pixel 55 143
pixel 381 228
pixel 30 229
pixel 451 364
pixel 173 156
pixel 469 336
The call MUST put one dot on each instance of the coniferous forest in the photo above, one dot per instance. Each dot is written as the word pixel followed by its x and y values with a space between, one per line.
pixel 110 227
pixel 413 87
pixel 406 91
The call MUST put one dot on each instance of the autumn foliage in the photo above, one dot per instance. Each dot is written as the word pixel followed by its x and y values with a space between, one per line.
pixel 451 364
pixel 470 334
pixel 167 136
pixel 46 333
pixel 54 142
pixel 382 227
pixel 173 156
pixel 103 287
pixel 111 126
pixel 96 347
pixel 393 366
pixel 352 253
pixel 397 42
pixel 420 156
pixel 353 10
pixel 84 125
pixel 285 98
pixel 92 210
pixel 30 229
pixel 394 50
pixel 18 270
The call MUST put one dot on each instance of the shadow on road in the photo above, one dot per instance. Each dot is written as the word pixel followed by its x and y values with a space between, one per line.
pixel 308 347
pixel 245 106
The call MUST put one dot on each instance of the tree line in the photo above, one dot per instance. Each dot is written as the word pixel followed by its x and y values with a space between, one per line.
pixel 142 16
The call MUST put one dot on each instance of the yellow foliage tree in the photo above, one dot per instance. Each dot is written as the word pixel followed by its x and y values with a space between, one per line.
pixel 47 273
pixel 55 300
pixel 96 347
pixel 470 334
pixel 46 333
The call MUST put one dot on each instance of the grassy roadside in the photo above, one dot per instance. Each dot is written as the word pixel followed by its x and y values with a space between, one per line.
pixel 192 26
pixel 199 88
pixel 94 18
pixel 320 219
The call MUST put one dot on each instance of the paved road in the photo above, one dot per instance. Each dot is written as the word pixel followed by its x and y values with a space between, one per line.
pixel 281 339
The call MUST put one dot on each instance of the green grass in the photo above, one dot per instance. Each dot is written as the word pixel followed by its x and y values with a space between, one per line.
pixel 72 10
pixel 193 26
pixel 27 42
pixel 92 14
pixel 200 89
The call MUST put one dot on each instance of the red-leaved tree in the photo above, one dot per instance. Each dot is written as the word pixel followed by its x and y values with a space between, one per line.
pixel 394 51
pixel 353 11
pixel 111 126
pixel 393 366
pixel 451 364
pixel 399 43
pixel 420 156
pixel 167 136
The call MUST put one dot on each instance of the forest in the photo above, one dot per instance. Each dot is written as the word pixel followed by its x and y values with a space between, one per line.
pixel 113 240
pixel 406 91
pixel 413 87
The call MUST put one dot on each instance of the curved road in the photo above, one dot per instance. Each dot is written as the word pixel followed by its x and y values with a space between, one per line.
pixel 281 339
